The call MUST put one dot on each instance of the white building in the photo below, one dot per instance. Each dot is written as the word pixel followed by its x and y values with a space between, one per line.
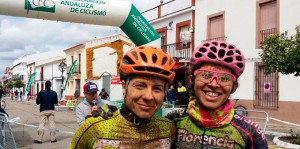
pixel 45 65
pixel 97 62
pixel 246 23
pixel 175 22
pixel 19 71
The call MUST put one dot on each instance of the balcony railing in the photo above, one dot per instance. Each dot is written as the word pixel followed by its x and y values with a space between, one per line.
pixel 16 77
pixel 265 33
pixel 76 69
pixel 179 50
pixel 223 38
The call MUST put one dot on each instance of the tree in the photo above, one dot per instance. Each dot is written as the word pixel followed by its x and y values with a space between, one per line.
pixel 10 85
pixel 18 84
pixel 282 53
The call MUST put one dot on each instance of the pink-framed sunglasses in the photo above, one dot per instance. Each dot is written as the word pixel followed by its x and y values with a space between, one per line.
pixel 223 78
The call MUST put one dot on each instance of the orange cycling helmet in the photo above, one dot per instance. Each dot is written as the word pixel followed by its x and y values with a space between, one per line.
pixel 147 60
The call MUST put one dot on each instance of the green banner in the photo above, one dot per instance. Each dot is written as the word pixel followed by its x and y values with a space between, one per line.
pixel 70 73
pixel 31 79
pixel 136 26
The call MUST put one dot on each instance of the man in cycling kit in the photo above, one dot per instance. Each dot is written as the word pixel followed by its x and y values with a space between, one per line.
pixel 145 73
pixel 211 121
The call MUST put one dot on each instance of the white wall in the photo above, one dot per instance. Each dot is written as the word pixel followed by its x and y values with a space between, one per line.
pixel 171 34
pixel 240 29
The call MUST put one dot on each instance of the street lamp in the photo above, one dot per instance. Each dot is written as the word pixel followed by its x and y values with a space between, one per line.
pixel 62 67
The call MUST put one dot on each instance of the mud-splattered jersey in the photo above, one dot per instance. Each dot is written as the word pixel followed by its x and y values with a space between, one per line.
pixel 241 133
pixel 117 132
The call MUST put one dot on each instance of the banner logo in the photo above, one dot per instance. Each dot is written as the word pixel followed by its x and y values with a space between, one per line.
pixel 40 5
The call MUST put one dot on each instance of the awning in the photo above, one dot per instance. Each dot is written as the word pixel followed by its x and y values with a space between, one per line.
pixel 178 65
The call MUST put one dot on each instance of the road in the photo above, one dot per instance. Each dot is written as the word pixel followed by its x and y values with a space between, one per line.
pixel 29 116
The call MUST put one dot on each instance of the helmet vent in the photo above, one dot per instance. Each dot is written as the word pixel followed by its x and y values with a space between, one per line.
pixel 231 47
pixel 154 58
pixel 237 51
pixel 214 49
pixel 229 60
pixel 239 58
pixel 240 65
pixel 211 55
pixel 151 69
pixel 143 56
pixel 198 55
pixel 164 61
pixel 221 53
pixel 134 55
pixel 223 45
pixel 206 45
pixel 202 50
pixel 229 53
pixel 127 60
pixel 215 43
pixel 171 62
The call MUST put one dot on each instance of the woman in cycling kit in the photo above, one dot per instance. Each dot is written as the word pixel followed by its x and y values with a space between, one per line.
pixel 211 121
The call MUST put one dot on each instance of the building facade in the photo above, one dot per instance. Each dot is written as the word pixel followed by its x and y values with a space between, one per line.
pixel 246 23
pixel 175 22
pixel 97 61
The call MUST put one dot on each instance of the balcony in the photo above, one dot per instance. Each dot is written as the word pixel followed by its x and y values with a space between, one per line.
pixel 16 77
pixel 179 50
pixel 265 33
pixel 75 70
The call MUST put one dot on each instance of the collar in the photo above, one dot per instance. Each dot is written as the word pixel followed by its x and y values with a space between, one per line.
pixel 131 117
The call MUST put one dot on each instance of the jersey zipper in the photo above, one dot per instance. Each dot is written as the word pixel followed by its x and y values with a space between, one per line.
pixel 203 138
pixel 140 136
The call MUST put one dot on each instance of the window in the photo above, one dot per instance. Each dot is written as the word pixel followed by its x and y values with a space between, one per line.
pixel 215 27
pixel 266 88
pixel 79 62
pixel 163 36
pixel 181 28
pixel 72 59
pixel 267 19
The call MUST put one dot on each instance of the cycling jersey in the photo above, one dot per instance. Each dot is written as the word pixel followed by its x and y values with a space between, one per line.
pixel 119 132
pixel 240 133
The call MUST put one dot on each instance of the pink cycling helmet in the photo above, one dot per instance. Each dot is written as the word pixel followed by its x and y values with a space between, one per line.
pixel 221 53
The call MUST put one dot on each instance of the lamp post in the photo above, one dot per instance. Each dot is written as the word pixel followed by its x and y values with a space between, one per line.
pixel 62 67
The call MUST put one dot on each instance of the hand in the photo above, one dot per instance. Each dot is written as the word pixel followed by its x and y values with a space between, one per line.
pixel 105 111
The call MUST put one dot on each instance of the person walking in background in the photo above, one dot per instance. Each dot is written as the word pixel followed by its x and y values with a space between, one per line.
pixel 16 95
pixel 2 93
pixel 11 94
pixel 90 103
pixel 47 99
pixel 103 94
pixel 21 94
pixel 182 94
pixel 171 95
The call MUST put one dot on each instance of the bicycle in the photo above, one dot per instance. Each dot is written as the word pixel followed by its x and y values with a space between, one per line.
pixel 2 104
pixel 240 109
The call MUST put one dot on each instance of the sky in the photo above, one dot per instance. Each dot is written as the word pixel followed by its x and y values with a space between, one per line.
pixel 24 36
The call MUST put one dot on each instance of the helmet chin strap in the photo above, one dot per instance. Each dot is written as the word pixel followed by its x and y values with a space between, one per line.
pixel 126 87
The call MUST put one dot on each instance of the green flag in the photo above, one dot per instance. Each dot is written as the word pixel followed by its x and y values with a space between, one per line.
pixel 70 73
pixel 31 79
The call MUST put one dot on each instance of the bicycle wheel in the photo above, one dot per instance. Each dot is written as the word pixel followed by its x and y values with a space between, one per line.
pixel 3 104
pixel 241 110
